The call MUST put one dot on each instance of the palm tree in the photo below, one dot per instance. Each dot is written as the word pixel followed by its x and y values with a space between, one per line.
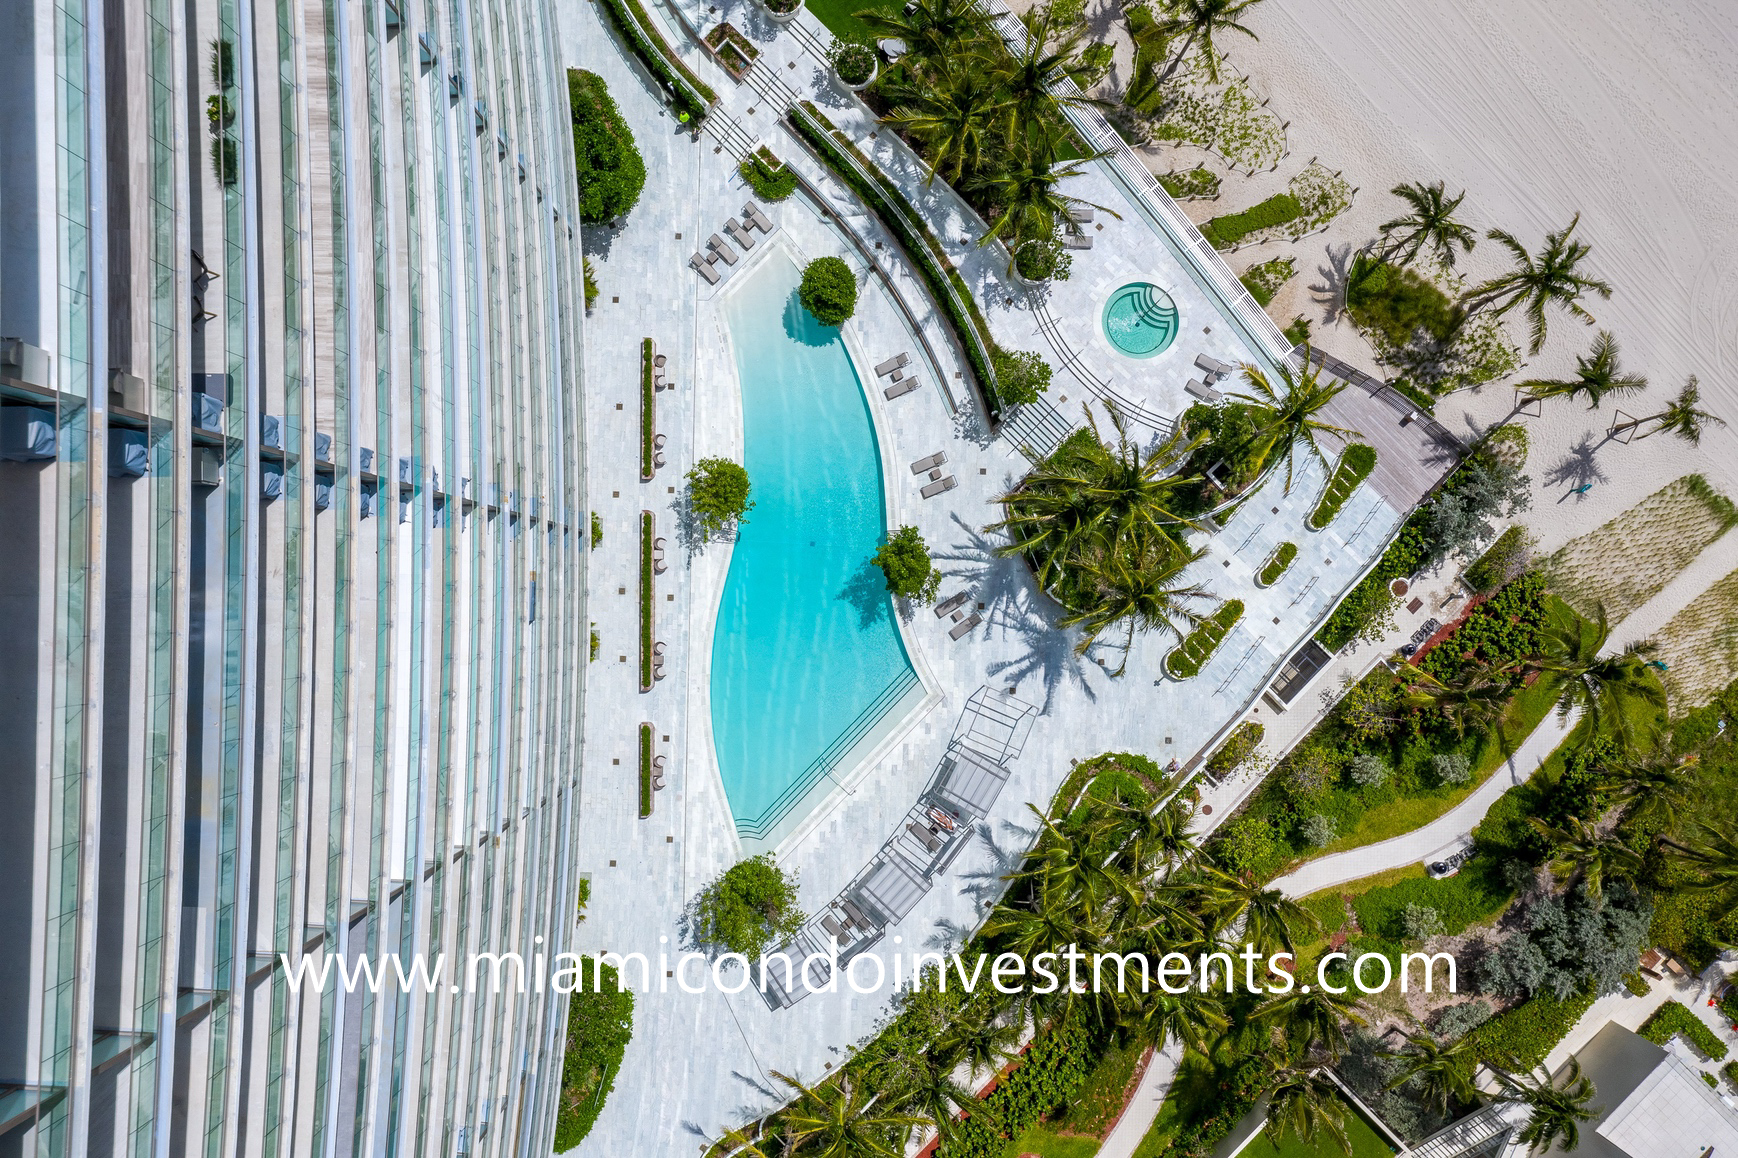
pixel 1581 850
pixel 1307 1103
pixel 953 113
pixel 1162 836
pixel 1606 689
pixel 1654 785
pixel 928 1087
pixel 1558 1107
pixel 1312 1017
pixel 1027 189
pixel 1073 857
pixel 1713 855
pixel 1192 1019
pixel 931 29
pixel 839 1121
pixel 1142 587
pixel 1116 494
pixel 1291 408
pixel 1037 924
pixel 980 1038
pixel 1270 919
pixel 1033 74
pixel 1683 416
pixel 1597 374
pixel 1473 699
pixel 1443 1071
pixel 1198 20
pixel 1551 278
pixel 1431 223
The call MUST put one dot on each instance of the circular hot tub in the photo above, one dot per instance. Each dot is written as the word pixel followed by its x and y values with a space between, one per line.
pixel 1140 319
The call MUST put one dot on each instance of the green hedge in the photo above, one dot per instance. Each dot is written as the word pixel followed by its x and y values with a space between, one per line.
pixel 1048 1076
pixel 645 599
pixel 971 331
pixel 1505 629
pixel 768 177
pixel 1224 232
pixel 1187 658
pixel 645 770
pixel 607 163
pixel 1730 1069
pixel 693 97
pixel 1520 1038
pixel 600 1023
pixel 1277 563
pixel 648 411
pixel 1239 746
pixel 1672 1019
pixel 1354 467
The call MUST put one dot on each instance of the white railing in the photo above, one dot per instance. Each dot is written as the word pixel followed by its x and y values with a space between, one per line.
pixel 1144 190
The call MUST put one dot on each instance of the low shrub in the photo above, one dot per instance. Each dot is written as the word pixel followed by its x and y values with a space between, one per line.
pixel 1520 1038
pixel 600 1023
pixel 1397 302
pixel 596 530
pixel 1238 747
pixel 1730 1069
pixel 853 60
pixel 1250 845
pixel 647 582
pixel 1637 984
pixel 1505 629
pixel 770 179
pixel 1224 232
pixel 1043 259
pixel 1456 1021
pixel 648 412
pixel 1048 1076
pixel 1276 564
pixel 1451 767
pixel 1021 375
pixel 1298 332
pixel 718 492
pixel 1673 1019
pixel 829 290
pixel 1186 659
pixel 1191 184
pixel 611 172
pixel 1368 770
pixel 1355 465
pixel 904 560
pixel 1503 561
pixel 1318 830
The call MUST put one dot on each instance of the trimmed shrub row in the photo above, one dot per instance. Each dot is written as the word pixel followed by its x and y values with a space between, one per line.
pixel 692 95
pixel 1277 564
pixel 1224 232
pixel 1354 467
pixel 1673 1019
pixel 648 411
pixel 1520 1038
pixel 1187 658
pixel 921 247
pixel 645 770
pixel 770 178
pixel 645 601
pixel 1237 748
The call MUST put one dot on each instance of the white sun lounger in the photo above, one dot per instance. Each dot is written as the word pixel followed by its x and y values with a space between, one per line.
pixel 718 246
pixel 946 607
pixel 703 267
pixel 891 365
pixel 738 234
pixel 900 388
pixel 928 464
pixel 1214 366
pixel 755 219
pixel 1072 240
pixel 965 625
pixel 946 483
pixel 1204 393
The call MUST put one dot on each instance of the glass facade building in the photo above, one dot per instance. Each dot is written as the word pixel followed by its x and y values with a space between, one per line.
pixel 292 557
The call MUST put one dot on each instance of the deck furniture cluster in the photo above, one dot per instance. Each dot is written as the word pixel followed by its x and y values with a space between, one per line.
pixel 1212 369
pixel 900 383
pixel 718 250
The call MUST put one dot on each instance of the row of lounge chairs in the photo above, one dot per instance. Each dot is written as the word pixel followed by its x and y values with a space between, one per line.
pixel 1212 370
pixel 718 250
pixel 900 383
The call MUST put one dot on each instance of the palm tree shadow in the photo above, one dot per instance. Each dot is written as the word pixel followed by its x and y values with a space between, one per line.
pixel 987 883
pixel 1576 469
pixel 1330 292
pixel 1011 601
pixel 825 91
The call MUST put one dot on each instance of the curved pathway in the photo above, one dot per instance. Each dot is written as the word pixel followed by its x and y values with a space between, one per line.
pixel 1367 860
pixel 1143 1105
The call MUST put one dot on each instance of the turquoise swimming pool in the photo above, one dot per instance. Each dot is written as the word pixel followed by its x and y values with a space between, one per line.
pixel 1140 319
pixel 806 658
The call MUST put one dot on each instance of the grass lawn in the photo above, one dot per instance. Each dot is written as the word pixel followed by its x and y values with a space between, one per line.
pixel 841 16
pixel 1366 1143
pixel 1046 1143
pixel 1101 1096
pixel 1526 711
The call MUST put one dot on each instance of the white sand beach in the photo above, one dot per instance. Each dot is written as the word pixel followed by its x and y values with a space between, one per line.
pixel 1618 109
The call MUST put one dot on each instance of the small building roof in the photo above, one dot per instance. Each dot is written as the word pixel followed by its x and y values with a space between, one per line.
pixel 1651 1104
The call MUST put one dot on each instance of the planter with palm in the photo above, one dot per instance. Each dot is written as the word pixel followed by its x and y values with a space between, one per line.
pixel 1430 225
pixel 843 1120
pixel 1444 1072
pixel 1291 405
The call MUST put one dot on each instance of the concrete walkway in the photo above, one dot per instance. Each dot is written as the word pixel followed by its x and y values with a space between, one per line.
pixel 1144 1105
pixel 1357 863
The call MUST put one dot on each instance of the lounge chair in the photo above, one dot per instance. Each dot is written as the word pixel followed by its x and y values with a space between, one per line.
pixel 930 463
pixel 753 218
pixel 1203 392
pixel 1073 240
pixel 938 486
pixel 704 268
pixel 891 365
pixel 965 625
pixel 738 234
pixel 721 249
pixel 831 926
pixel 658 360
pixel 924 836
pixel 946 606
pixel 857 916
pixel 1214 366
pixel 1080 214
pixel 900 389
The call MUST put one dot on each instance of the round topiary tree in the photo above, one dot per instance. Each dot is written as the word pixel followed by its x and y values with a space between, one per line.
pixel 718 494
pixel 829 290
pixel 752 906
pixel 904 560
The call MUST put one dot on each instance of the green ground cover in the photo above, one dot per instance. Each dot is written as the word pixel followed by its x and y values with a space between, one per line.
pixel 1225 231
pixel 1364 1140
pixel 1355 465
pixel 1672 1020
pixel 1186 659
pixel 1264 280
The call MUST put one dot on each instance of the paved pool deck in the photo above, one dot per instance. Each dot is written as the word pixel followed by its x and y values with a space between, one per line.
pixel 701 1063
